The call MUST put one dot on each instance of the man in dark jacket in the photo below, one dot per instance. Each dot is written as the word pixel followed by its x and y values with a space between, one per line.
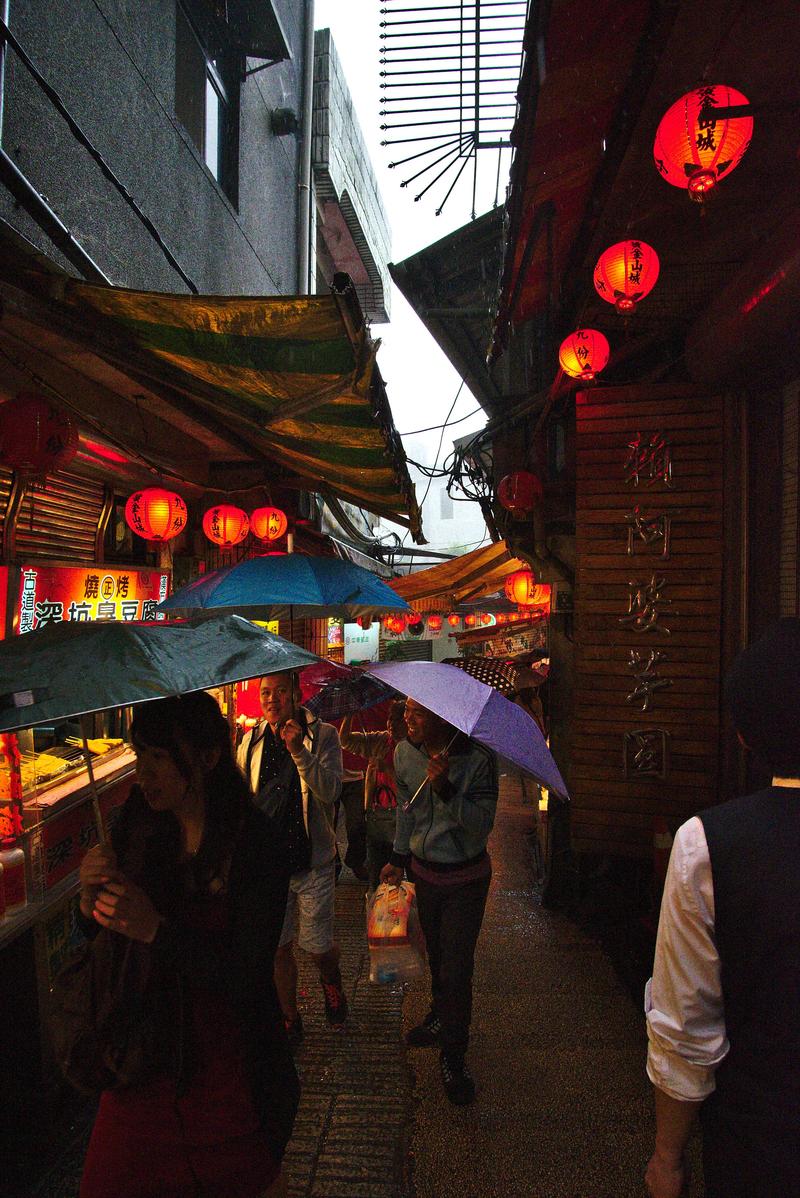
pixel 723 1005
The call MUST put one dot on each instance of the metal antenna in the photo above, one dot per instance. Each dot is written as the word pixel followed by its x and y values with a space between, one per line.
pixel 455 65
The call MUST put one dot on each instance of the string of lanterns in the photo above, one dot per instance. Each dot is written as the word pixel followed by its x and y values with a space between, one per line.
pixel 700 139
pixel 157 514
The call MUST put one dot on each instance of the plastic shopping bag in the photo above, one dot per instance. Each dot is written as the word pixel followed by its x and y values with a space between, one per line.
pixel 396 944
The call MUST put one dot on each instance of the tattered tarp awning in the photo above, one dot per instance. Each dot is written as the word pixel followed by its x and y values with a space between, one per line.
pixel 220 392
pixel 470 576
pixel 298 373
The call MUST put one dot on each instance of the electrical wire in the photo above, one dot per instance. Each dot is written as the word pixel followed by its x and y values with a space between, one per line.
pixel 435 427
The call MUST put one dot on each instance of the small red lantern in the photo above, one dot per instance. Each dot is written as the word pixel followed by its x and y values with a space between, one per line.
pixel 486 618
pixel 583 354
pixel 695 154
pixel 435 623
pixel 502 617
pixel 470 621
pixel 415 625
pixel 226 525
pixel 625 273
pixel 453 620
pixel 36 437
pixel 364 622
pixel 155 514
pixel 268 523
pixel 520 587
pixel 520 492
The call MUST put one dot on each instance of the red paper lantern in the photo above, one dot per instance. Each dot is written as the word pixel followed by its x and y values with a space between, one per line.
pixel 470 621
pixel 520 587
pixel 696 154
pixel 486 618
pixel 435 623
pixel 36 437
pixel 520 492
pixel 415 625
pixel 502 617
pixel 625 273
pixel 268 523
pixel 453 620
pixel 155 514
pixel 583 354
pixel 226 525
pixel 364 622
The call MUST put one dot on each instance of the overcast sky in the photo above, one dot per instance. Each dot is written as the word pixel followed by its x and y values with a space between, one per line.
pixel 420 381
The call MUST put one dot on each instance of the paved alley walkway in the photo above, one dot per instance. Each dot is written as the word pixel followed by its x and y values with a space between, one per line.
pixel 563 1107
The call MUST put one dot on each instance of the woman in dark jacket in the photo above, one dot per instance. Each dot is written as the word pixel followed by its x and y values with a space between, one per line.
pixel 193 875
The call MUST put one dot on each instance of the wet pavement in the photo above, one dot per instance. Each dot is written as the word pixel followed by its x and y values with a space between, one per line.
pixel 563 1106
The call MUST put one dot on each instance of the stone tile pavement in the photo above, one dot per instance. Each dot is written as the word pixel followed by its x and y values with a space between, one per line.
pixel 563 1108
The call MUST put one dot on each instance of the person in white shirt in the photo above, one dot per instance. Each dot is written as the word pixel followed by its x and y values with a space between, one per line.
pixel 723 1004
pixel 293 762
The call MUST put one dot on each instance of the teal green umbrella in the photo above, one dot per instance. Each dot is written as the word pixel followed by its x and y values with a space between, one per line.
pixel 72 668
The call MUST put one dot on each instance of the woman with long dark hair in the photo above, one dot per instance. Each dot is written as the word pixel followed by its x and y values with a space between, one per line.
pixel 192 874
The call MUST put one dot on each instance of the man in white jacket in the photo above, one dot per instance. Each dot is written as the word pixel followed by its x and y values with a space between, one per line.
pixel 293 763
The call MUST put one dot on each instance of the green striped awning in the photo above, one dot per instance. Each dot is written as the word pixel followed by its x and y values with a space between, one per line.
pixel 295 376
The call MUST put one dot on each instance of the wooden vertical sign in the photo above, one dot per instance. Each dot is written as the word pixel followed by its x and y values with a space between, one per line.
pixel 649 531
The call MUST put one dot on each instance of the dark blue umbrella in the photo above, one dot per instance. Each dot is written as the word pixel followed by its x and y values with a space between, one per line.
pixel 286 586
pixel 479 712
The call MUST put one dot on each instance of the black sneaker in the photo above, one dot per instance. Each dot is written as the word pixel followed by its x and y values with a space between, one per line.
pixel 294 1031
pixel 335 1001
pixel 457 1080
pixel 425 1034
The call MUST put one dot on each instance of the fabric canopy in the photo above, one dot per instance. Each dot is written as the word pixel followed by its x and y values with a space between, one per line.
pixel 295 375
pixel 470 576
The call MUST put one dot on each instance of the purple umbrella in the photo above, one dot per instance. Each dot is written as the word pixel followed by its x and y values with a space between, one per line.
pixel 477 710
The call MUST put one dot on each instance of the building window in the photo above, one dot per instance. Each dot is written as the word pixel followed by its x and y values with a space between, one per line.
pixel 207 99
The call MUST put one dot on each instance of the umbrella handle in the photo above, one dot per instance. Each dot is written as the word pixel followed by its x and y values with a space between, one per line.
pixel 424 781
pixel 98 815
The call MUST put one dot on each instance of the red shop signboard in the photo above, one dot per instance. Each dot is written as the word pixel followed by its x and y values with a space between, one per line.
pixel 50 594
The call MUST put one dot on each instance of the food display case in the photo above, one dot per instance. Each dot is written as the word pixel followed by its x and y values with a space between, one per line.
pixel 46 804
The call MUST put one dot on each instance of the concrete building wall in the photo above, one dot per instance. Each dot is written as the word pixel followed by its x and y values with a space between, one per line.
pixel 343 174
pixel 113 64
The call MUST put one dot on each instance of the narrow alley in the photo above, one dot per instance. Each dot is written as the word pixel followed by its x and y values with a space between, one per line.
pixel 563 1108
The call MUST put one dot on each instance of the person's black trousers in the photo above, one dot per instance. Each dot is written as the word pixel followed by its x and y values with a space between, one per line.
pixel 352 800
pixel 451 918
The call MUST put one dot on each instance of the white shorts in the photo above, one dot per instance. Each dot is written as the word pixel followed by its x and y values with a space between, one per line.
pixel 309 909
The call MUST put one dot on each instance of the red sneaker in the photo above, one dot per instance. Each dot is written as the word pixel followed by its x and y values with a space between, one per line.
pixel 335 1000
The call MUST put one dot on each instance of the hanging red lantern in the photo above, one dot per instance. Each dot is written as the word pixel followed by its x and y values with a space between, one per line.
pixel 486 618
pixel 364 622
pixel 435 623
pixel 696 153
pixel 470 621
pixel 226 525
pixel 583 354
pixel 416 625
pixel 398 624
pixel 453 620
pixel 520 587
pixel 36 436
pixel 268 523
pixel 520 492
pixel 155 514
pixel 625 273
pixel 502 617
